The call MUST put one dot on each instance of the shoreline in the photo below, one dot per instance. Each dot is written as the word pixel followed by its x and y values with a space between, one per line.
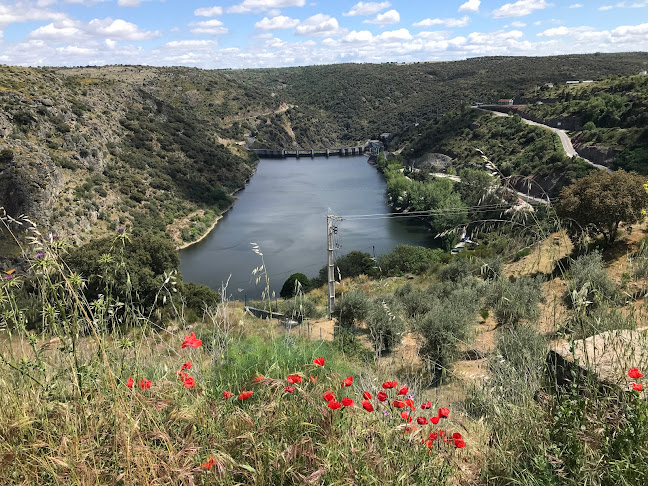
pixel 217 219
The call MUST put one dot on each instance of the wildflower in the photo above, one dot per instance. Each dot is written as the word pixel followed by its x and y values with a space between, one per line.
pixel 459 443
pixel 366 395
pixel 7 277
pixel 444 412
pixel 382 396
pixel 40 255
pixel 209 464
pixel 456 435
pixel 129 383
pixel 643 212
pixel 347 402
pixel 421 420
pixel 227 395
pixel 434 420
pixel 258 378
pixel 405 416
pixel 186 366
pixel 290 389
pixel 188 381
pixel 328 396
pixel 191 341
pixel 410 403
pixel 313 379
pixel 410 429
pixel 403 391
pixel 386 412
pixel 120 229
pixel 433 436
pixel 144 384
pixel 294 379
pixel 637 386
pixel 347 381
pixel 398 403
pixel 333 405
pixel 634 373
pixel 319 361
pixel 389 384
pixel 426 405
pixel 367 406
pixel 244 395
pixel 429 443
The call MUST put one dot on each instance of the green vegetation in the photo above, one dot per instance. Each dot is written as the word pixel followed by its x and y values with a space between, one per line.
pixel 297 282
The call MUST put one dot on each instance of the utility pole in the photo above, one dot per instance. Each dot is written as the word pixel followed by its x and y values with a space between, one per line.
pixel 331 230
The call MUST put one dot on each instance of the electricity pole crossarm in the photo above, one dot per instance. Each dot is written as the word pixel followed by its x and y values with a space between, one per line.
pixel 331 230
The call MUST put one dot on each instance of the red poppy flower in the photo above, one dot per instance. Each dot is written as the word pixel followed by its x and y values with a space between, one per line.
pixel 405 415
pixel 429 443
pixel 293 379
pixel 290 389
pixel 258 379
pixel 347 402
pixel 328 396
pixel 634 373
pixel 637 386
pixel 313 379
pixel 433 436
pixel 389 384
pixel 398 403
pixel 144 384
pixel 444 412
pixel 191 341
pixel 421 420
pixel 129 383
pixel 333 405
pixel 227 394
pixel 426 405
pixel 410 429
pixel 456 435
pixel 410 403
pixel 319 361
pixel 245 395
pixel 459 443
pixel 382 396
pixel 367 406
pixel 366 395
pixel 434 420
pixel 209 464
pixel 403 391
pixel 347 381
pixel 186 366
pixel 188 382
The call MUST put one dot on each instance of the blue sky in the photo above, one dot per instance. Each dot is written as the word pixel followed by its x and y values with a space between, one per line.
pixel 274 33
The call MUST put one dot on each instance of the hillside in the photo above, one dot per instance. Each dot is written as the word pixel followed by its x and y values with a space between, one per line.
pixel 84 151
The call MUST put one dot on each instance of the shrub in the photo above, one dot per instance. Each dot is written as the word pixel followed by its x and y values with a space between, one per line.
pixel 198 296
pixel 589 284
pixel 514 301
pixel 290 286
pixel 351 308
pixel 385 324
pixel 6 156
pixel 408 259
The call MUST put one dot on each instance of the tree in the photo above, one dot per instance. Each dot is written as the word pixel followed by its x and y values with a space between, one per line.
pixel 289 288
pixel 598 203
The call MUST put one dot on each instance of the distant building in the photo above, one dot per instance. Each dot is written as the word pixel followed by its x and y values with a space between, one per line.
pixel 547 86
pixel 505 102
pixel 589 81
pixel 573 82
pixel 643 73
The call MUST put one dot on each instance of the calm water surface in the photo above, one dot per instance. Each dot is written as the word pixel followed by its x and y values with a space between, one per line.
pixel 283 209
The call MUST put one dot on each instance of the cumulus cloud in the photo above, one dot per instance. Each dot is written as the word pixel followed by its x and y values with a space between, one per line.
pixel 462 22
pixel 68 30
pixel 264 5
pixel 387 18
pixel 320 25
pixel 276 23
pixel 213 27
pixel 576 5
pixel 605 8
pixel 470 6
pixel 395 36
pixel 367 8
pixel 520 8
pixel 19 13
pixel 208 12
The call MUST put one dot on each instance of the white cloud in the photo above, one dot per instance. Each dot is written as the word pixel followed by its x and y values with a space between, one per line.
pixel 64 31
pixel 129 3
pixel 362 37
pixel 320 25
pixel 213 27
pixel 395 36
pixel 191 43
pixel 367 8
pixel 576 5
pixel 18 13
pixel 630 33
pixel 470 6
pixel 75 31
pixel 276 23
pixel 120 29
pixel 605 8
pixel 208 12
pixel 518 24
pixel 462 22
pixel 264 5
pixel 520 8
pixel 387 18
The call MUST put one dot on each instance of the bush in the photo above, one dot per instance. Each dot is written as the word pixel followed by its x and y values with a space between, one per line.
pixel 385 324
pixel 290 286
pixel 515 301
pixel 298 308
pixel 351 308
pixel 415 303
pixel 408 259
pixel 198 296
pixel 589 284
pixel 6 156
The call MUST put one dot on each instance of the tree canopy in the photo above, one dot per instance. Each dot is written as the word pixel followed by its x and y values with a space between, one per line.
pixel 598 203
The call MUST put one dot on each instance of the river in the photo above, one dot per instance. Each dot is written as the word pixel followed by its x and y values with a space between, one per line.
pixel 283 209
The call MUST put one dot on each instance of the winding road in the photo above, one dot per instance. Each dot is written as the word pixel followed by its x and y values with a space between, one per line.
pixel 562 134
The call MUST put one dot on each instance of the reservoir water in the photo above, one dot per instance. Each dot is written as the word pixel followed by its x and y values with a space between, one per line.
pixel 283 209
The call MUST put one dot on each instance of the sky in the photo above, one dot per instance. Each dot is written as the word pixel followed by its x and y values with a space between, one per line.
pixel 276 33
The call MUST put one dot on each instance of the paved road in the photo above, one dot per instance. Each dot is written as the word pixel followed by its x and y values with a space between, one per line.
pixel 564 138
